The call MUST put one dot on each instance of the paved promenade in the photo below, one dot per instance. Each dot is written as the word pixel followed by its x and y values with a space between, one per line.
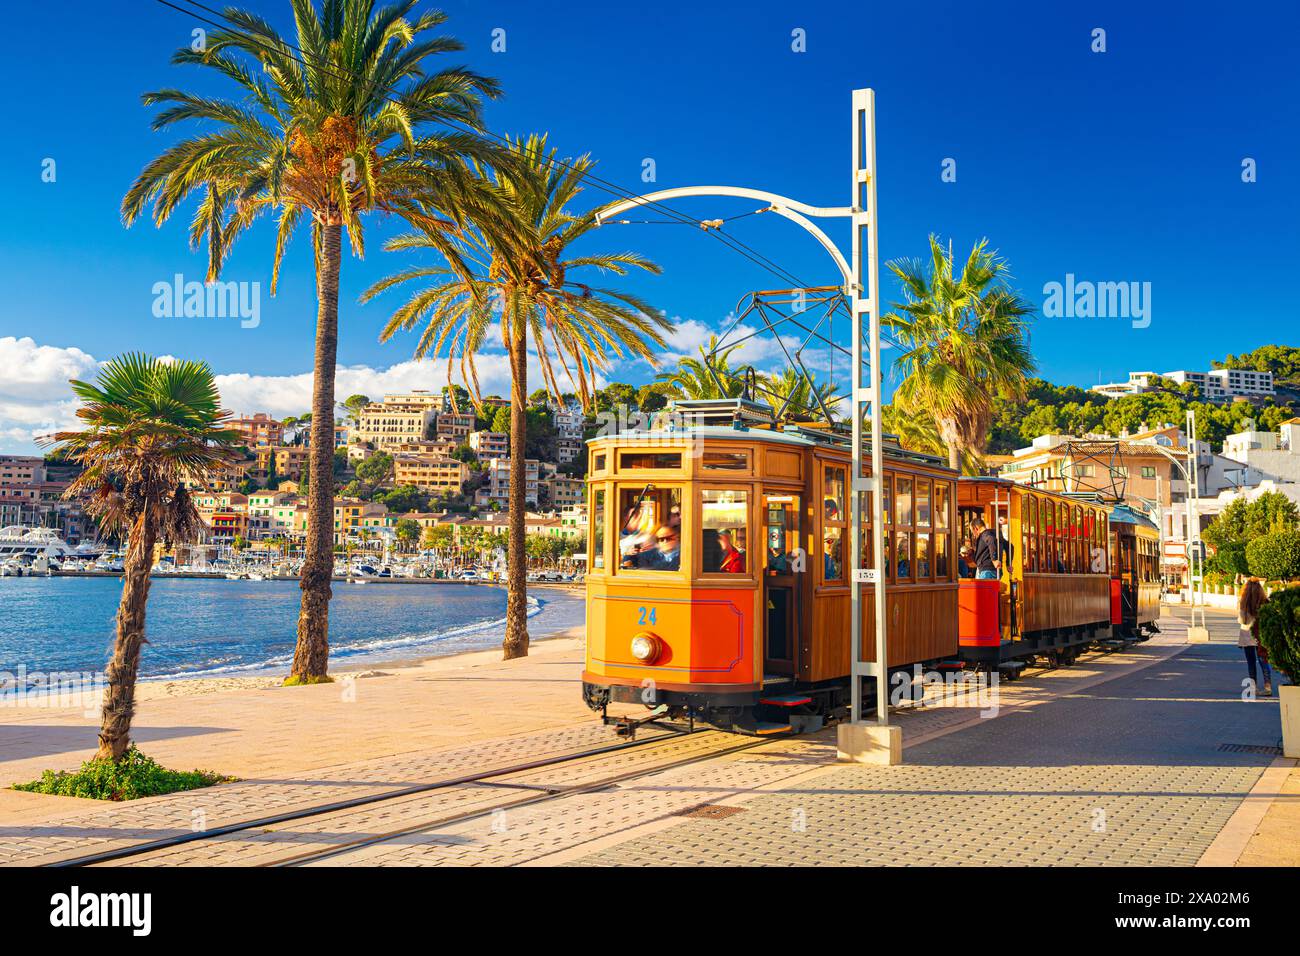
pixel 1143 757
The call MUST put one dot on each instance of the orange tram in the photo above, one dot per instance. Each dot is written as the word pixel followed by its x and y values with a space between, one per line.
pixel 718 565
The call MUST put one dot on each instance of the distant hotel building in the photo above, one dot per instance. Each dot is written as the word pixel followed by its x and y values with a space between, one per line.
pixel 259 429
pixel 385 424
pixel 1217 385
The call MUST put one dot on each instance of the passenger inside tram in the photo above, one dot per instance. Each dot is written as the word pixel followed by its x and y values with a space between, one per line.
pixel 732 559
pixel 650 534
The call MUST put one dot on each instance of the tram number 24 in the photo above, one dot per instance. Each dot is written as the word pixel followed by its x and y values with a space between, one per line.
pixel 645 616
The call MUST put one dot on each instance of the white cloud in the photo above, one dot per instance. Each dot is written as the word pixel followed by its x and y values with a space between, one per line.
pixel 34 394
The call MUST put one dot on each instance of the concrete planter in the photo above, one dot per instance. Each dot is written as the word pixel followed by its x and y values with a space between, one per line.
pixel 1289 696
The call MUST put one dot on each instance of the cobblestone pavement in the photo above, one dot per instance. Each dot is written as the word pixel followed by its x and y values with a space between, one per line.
pixel 1128 772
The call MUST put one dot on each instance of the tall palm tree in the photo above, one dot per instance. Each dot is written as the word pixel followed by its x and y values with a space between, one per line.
pixel 705 377
pixel 963 339
pixel 345 120
pixel 515 269
pixel 150 426
pixel 918 432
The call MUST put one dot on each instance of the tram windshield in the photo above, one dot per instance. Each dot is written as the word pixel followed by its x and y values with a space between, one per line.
pixel 650 528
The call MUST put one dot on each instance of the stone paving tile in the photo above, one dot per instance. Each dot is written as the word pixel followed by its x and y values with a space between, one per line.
pixel 116 825
pixel 1127 774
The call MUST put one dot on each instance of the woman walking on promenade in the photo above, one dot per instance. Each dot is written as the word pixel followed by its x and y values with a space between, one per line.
pixel 1248 604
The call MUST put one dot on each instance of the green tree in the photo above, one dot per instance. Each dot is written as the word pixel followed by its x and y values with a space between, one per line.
pixel 149 426
pixel 704 377
pixel 345 119
pixel 501 420
pixel 407 531
pixel 376 469
pixel 519 258
pixel 1243 521
pixel 962 339
pixel 1279 631
pixel 1275 556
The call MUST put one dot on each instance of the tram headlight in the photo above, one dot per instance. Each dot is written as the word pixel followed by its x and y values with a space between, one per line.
pixel 645 647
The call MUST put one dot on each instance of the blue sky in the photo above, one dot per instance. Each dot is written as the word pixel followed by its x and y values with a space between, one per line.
pixel 1115 166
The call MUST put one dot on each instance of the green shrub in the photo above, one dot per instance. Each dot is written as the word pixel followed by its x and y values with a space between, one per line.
pixel 130 778
pixel 1279 631
pixel 1275 556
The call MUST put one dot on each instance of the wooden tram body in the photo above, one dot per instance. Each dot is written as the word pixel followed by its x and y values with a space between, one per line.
pixel 1053 595
pixel 1135 574
pixel 758 643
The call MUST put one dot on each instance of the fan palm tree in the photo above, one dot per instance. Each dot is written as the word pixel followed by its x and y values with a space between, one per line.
pixel 709 376
pixel 344 121
pixel 515 270
pixel 918 432
pixel 962 339
pixel 150 427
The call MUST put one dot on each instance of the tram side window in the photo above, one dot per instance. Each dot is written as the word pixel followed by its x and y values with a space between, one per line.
pixel 903 503
pixel 598 528
pixel 1030 519
pixel 942 531
pixel 724 544
pixel 922 539
pixel 864 506
pixel 1048 512
pixel 1076 539
pixel 650 529
pixel 1064 537
pixel 833 526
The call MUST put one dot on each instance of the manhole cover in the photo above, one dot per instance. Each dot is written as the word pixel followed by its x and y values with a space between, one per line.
pixel 1251 749
pixel 709 811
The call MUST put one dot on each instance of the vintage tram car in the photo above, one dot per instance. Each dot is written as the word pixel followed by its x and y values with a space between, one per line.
pixel 718 568
pixel 1135 575
pixel 1052 597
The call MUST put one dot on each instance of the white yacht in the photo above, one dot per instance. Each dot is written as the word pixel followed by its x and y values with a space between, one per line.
pixel 25 550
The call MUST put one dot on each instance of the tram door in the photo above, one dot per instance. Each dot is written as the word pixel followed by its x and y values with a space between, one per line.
pixel 783 565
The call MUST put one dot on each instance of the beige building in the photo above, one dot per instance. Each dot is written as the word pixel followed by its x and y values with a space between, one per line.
pixel 387 425
pixel 430 473
pixel 455 427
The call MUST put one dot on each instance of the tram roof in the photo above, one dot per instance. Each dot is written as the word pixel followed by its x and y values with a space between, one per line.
pixel 788 435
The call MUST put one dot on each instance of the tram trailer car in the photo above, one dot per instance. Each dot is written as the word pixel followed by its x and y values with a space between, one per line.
pixel 1052 598
pixel 1135 575
pixel 717 586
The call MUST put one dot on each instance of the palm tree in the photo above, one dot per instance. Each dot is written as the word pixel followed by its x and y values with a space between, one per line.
pixel 798 395
pixel 705 377
pixel 918 432
pixel 513 269
pixel 343 122
pixel 962 340
pixel 150 426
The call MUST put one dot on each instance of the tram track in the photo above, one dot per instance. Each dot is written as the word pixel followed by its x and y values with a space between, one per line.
pixel 452 800
pixel 199 836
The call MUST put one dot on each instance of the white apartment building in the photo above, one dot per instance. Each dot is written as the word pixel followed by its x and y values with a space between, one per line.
pixel 498 486
pixel 1216 385
pixel 490 444
pixel 1266 456
pixel 568 422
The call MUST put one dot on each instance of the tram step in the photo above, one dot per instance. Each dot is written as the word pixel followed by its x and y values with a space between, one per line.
pixel 786 700
pixel 951 665
pixel 1012 667
pixel 765 729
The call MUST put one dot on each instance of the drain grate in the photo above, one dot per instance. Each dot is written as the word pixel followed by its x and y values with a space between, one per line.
pixel 1251 749
pixel 710 811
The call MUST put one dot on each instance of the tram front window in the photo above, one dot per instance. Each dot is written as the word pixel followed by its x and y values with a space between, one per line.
pixel 650 529
pixel 723 519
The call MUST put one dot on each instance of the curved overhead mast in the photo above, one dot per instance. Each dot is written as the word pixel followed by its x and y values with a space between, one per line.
pixel 796 212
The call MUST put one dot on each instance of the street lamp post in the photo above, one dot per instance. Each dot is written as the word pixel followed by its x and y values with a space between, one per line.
pixel 858 740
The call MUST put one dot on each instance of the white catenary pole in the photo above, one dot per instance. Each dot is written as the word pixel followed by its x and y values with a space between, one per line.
pixel 859 741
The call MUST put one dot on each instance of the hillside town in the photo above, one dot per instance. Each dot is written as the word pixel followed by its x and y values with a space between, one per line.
pixel 424 471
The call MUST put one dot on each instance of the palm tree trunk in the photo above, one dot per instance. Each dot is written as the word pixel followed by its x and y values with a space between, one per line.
pixel 954 456
pixel 119 695
pixel 516 640
pixel 311 655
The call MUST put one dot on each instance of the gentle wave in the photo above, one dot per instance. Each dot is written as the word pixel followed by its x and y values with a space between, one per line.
pixel 343 651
